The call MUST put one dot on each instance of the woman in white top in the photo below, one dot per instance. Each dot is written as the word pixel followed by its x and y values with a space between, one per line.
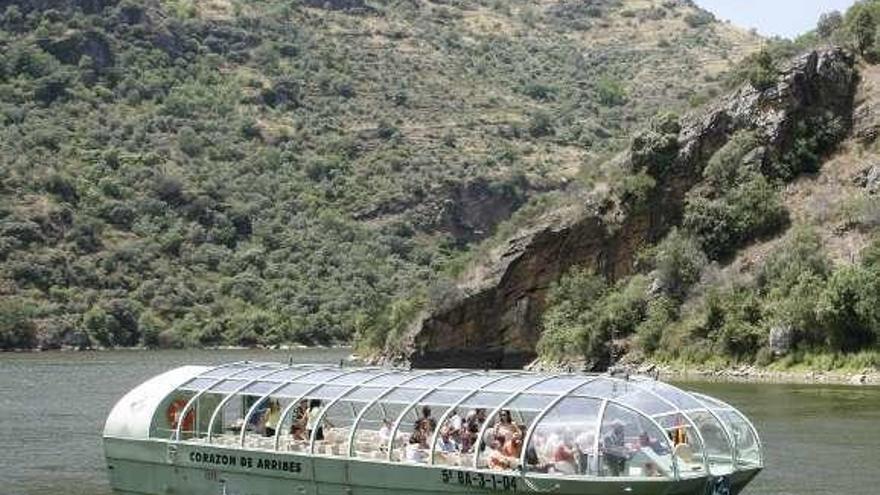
pixel 312 423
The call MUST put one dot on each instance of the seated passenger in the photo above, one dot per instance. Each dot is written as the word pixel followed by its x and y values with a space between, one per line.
pixel 497 457
pixel 414 451
pixel 506 427
pixel 469 437
pixel 446 443
pixel 384 433
pixel 271 418
pixel 534 463
pixel 563 455
pixel 426 423
pixel 298 432
pixel 646 442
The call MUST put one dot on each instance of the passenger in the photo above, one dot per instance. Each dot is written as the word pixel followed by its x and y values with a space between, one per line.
pixel 469 437
pixel 512 447
pixel 426 424
pixel 446 443
pixel 414 450
pixel 312 420
pixel 645 442
pixel 497 458
pixel 297 431
pixel 563 457
pixel 455 421
pixel 272 418
pixel 615 450
pixel 505 426
pixel 585 450
pixel 384 433
pixel 534 462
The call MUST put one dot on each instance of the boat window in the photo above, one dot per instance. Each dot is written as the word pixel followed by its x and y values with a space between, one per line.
pixel 340 417
pixel 718 446
pixel 318 377
pixel 356 378
pixel 198 384
pixel 502 443
pixel 413 438
pixel 644 402
pixel 263 422
pixel 678 398
pixel 224 371
pixel 564 440
pixel 288 374
pixel 293 436
pixel 559 384
pixel 468 419
pixel 170 413
pixel 470 382
pixel 231 419
pixel 373 432
pixel 604 388
pixel 431 380
pixel 748 451
pixel 195 423
pixel 511 384
pixel 419 424
pixel 686 445
pixel 630 445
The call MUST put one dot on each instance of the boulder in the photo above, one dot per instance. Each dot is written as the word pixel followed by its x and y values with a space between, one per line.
pixel 496 320
pixel 869 178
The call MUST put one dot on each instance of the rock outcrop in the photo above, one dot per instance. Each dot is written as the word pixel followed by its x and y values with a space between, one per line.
pixel 496 321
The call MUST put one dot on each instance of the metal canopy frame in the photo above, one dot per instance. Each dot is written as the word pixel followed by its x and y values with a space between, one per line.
pixel 263 373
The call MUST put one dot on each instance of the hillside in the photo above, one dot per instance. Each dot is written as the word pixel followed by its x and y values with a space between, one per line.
pixel 742 233
pixel 204 172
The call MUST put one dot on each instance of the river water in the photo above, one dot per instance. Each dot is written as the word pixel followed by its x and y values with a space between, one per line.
pixel 819 440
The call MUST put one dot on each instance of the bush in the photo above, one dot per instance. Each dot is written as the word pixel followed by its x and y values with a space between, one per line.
pixel 678 263
pixel 849 308
pixel 611 92
pixel 726 165
pixel 17 329
pixel 761 70
pixel 750 210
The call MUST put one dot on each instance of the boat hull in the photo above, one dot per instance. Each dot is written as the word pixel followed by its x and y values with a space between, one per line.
pixel 163 468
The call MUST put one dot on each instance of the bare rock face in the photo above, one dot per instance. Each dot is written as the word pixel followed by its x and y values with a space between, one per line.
pixel 496 321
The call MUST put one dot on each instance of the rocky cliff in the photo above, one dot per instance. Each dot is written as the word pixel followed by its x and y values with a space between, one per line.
pixel 495 322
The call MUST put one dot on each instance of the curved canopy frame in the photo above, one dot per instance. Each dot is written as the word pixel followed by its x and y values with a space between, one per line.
pixel 663 400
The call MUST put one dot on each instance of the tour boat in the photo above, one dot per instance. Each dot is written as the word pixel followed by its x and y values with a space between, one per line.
pixel 266 428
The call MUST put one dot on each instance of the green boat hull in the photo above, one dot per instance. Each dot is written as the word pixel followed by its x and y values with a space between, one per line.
pixel 151 467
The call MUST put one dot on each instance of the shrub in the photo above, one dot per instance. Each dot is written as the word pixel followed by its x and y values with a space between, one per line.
pixel 726 165
pixel 678 263
pixel 761 70
pixel 17 329
pixel 750 210
pixel 610 92
pixel 849 308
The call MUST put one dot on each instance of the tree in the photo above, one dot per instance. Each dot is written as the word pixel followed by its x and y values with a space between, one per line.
pixel 863 29
pixel 849 309
pixel 762 70
pixel 829 23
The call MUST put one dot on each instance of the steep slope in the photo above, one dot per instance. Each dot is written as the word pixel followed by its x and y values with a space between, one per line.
pixel 497 319
pixel 220 171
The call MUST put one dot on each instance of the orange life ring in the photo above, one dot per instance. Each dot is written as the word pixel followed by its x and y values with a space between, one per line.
pixel 173 415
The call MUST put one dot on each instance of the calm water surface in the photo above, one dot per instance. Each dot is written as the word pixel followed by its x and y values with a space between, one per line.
pixel 819 440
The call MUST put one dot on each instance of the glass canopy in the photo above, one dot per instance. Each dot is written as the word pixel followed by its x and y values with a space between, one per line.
pixel 553 424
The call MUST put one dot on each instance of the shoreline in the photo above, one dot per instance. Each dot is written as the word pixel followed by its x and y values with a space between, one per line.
pixel 737 374
pixel 752 374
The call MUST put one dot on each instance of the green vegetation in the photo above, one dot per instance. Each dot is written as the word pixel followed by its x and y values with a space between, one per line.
pixel 182 173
